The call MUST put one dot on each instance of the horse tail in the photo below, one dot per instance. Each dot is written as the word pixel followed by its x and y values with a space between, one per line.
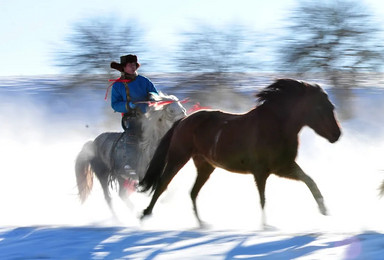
pixel 158 161
pixel 84 172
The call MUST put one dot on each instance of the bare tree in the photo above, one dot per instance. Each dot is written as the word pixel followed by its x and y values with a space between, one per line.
pixel 214 58
pixel 338 37
pixel 94 43
pixel 217 50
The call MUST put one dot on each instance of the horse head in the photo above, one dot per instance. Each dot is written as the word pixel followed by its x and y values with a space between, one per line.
pixel 175 109
pixel 321 115
pixel 302 103
pixel 169 105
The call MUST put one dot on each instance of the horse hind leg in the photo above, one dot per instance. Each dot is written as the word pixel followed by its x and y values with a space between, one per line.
pixel 175 162
pixel 204 170
pixel 107 195
pixel 102 174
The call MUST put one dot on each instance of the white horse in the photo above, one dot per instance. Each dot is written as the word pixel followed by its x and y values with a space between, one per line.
pixel 156 122
pixel 107 155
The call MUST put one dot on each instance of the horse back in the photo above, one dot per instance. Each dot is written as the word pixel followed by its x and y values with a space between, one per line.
pixel 104 143
pixel 106 140
pixel 236 142
pixel 203 131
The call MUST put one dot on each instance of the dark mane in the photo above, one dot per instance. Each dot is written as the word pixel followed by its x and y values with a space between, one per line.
pixel 283 88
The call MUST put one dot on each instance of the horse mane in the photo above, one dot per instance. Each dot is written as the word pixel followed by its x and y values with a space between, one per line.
pixel 282 89
pixel 155 123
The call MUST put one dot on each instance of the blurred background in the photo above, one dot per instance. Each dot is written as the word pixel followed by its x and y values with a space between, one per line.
pixel 54 71
pixel 211 45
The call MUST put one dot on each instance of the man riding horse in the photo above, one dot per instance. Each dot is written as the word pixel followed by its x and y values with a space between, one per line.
pixel 122 157
pixel 129 89
pixel 129 95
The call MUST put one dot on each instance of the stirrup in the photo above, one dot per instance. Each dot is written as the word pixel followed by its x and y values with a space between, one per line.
pixel 128 169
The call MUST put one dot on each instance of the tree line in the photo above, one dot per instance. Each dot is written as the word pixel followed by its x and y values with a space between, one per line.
pixel 340 39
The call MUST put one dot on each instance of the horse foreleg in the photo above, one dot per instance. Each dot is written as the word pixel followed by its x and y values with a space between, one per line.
pixel 125 188
pixel 261 180
pixel 297 173
pixel 204 170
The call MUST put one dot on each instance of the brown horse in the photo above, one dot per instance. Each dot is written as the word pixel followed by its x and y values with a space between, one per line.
pixel 259 142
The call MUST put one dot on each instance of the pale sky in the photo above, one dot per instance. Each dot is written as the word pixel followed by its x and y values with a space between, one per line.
pixel 31 30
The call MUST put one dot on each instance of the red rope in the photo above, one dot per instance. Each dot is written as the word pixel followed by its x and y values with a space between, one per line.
pixel 196 107
pixel 114 81
pixel 160 103
pixel 155 103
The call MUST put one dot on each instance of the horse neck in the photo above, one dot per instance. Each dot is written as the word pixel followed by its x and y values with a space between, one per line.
pixel 154 127
pixel 287 118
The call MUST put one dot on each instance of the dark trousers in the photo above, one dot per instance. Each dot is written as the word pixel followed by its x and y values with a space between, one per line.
pixel 131 125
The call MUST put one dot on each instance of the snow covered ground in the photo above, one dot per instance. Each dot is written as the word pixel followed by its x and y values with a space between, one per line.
pixel 126 243
pixel 41 217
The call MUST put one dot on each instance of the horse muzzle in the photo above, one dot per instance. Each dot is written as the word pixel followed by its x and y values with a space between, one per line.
pixel 335 136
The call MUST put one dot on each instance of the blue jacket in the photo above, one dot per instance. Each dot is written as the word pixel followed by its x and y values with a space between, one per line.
pixel 138 91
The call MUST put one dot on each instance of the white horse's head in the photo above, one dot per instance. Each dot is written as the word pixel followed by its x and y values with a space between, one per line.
pixel 170 107
pixel 157 121
pixel 175 109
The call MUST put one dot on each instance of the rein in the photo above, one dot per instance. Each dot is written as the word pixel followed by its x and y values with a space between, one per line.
pixel 160 103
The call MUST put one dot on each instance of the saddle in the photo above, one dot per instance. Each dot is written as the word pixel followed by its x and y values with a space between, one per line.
pixel 125 156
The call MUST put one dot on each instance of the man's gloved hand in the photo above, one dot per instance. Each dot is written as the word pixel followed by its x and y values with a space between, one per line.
pixel 131 105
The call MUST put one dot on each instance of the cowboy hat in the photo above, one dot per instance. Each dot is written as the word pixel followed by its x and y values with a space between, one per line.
pixel 123 61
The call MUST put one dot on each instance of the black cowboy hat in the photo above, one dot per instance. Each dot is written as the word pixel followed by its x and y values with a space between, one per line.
pixel 130 58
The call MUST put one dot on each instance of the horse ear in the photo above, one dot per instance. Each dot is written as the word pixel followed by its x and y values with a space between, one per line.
pixel 154 96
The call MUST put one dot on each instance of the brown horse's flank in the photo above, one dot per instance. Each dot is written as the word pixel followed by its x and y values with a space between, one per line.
pixel 261 142
pixel 213 151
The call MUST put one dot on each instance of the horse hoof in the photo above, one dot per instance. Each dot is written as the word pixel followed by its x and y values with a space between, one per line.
pixel 323 211
pixel 266 227
pixel 145 214
pixel 203 225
